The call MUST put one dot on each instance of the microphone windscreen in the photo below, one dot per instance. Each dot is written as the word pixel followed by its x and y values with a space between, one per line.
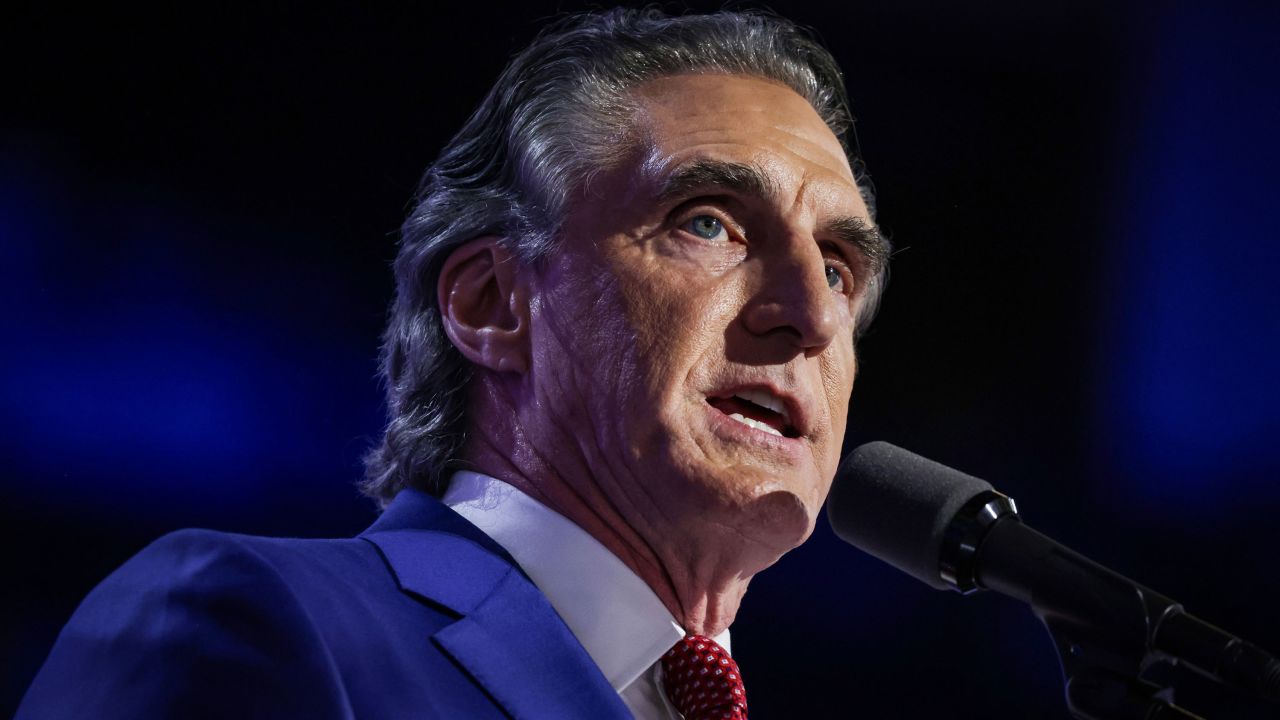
pixel 897 505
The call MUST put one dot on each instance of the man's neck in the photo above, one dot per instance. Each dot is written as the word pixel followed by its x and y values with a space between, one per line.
pixel 696 554
pixel 701 589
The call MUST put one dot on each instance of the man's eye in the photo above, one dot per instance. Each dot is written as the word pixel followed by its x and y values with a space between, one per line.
pixel 839 278
pixel 705 227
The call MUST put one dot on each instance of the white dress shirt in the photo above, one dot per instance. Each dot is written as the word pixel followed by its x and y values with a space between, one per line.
pixel 619 620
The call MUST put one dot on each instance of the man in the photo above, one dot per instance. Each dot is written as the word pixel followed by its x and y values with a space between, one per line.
pixel 620 355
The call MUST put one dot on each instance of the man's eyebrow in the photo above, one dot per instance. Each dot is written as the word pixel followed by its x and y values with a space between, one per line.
pixel 864 237
pixel 717 174
pixel 703 175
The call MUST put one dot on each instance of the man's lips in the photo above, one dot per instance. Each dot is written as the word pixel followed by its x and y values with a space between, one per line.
pixel 762 408
pixel 753 415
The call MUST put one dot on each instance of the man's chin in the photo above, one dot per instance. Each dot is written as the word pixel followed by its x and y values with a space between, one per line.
pixel 765 515
pixel 766 497
pixel 779 519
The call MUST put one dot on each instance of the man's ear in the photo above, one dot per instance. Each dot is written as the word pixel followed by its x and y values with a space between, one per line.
pixel 484 305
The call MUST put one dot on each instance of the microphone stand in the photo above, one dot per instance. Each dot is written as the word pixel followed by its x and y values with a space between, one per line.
pixel 1109 631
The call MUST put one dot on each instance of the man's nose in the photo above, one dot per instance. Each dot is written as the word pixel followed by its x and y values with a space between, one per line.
pixel 793 299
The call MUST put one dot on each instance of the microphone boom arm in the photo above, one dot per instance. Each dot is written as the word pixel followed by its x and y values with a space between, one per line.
pixel 1115 638
pixel 1109 631
pixel 1103 625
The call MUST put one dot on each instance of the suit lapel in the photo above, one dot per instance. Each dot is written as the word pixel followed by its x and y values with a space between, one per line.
pixel 508 637
pixel 518 648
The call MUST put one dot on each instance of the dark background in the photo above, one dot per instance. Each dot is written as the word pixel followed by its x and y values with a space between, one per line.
pixel 198 208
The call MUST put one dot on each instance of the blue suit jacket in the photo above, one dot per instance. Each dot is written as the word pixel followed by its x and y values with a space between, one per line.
pixel 421 616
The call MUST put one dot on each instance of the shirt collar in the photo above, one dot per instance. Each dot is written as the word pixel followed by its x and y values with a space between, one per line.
pixel 616 616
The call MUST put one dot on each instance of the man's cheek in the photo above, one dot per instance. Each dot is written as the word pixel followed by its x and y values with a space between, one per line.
pixel 662 311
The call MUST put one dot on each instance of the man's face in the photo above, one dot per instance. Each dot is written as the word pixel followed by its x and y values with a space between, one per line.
pixel 693 342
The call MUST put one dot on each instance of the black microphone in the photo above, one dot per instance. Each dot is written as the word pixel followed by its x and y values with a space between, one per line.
pixel 951 530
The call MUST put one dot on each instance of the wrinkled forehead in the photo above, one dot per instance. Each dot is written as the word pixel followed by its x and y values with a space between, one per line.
pixel 683 118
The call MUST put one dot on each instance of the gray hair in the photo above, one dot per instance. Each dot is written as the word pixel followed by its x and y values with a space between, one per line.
pixel 560 111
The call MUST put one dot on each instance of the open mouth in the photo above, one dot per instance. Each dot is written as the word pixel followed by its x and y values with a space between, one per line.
pixel 757 409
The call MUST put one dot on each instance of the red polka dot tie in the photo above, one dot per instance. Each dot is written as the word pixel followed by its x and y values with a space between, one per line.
pixel 703 682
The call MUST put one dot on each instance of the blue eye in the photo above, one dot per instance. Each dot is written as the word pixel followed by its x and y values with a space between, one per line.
pixel 705 227
pixel 836 279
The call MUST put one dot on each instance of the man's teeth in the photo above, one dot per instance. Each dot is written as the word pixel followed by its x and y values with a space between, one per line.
pixel 755 424
pixel 765 400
